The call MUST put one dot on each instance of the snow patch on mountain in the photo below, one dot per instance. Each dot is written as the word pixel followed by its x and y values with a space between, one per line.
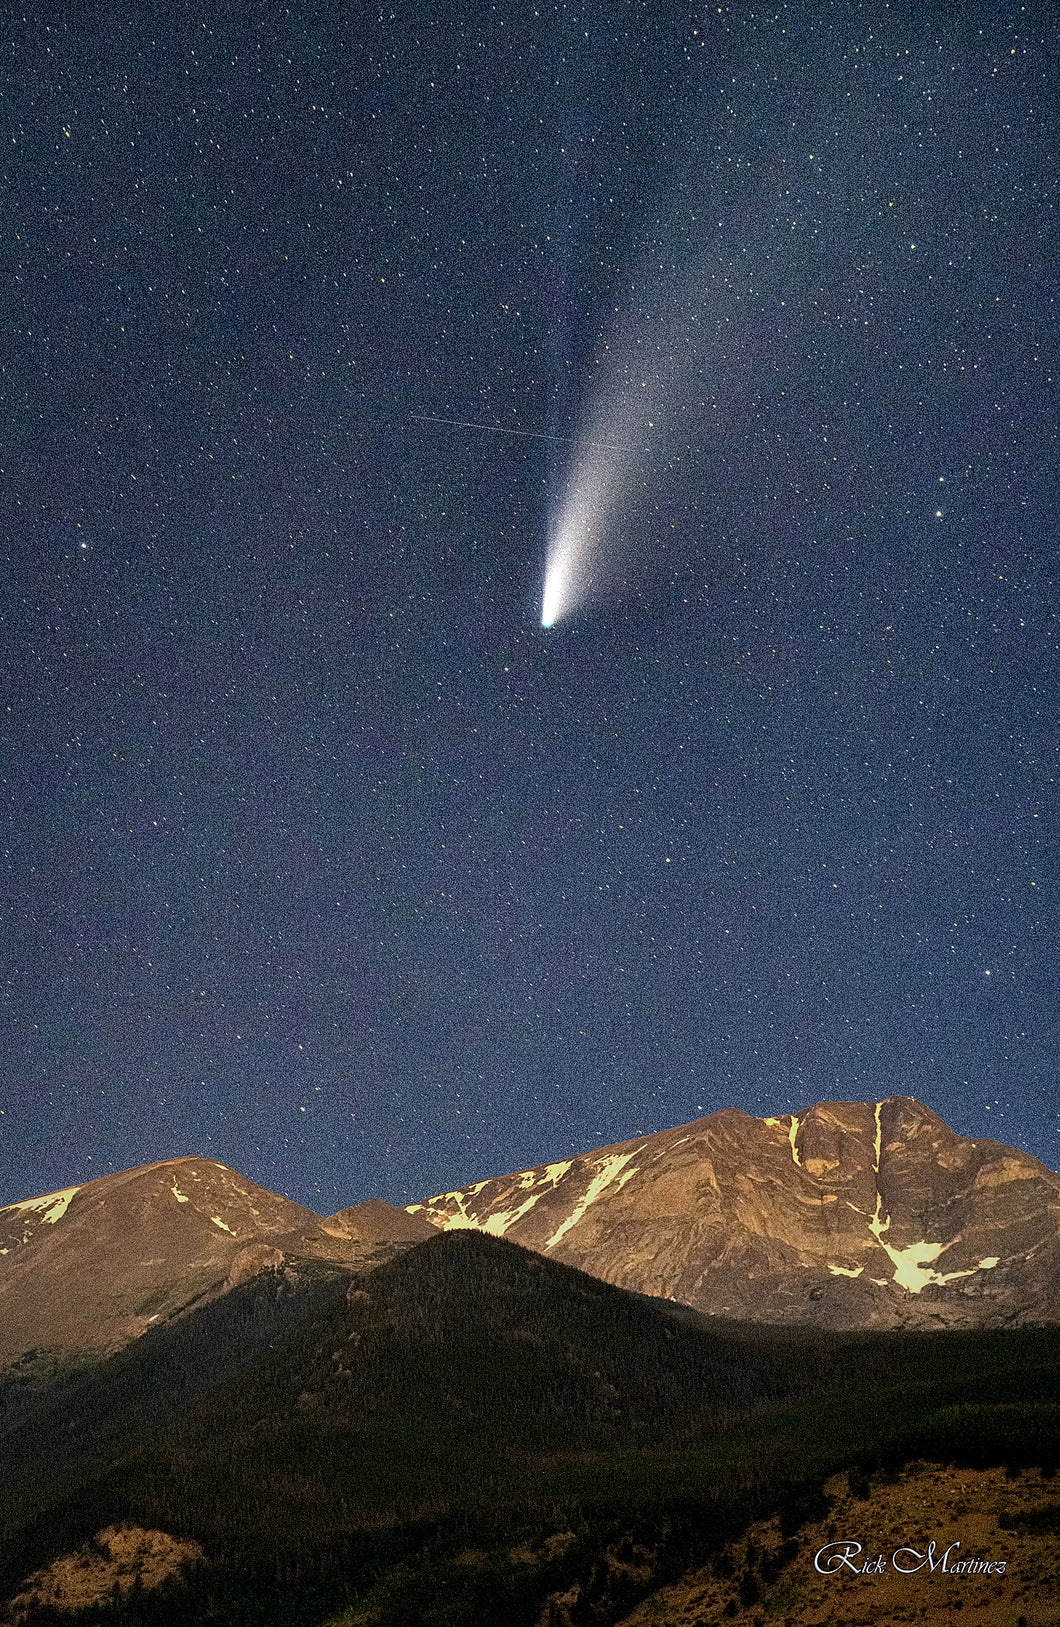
pixel 52 1206
pixel 791 1120
pixel 912 1266
pixel 535 1182
pixel 606 1172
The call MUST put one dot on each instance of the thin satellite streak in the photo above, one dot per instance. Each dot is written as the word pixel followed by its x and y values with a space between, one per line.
pixel 528 434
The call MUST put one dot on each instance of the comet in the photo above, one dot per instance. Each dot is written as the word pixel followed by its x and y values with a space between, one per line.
pixel 651 363
pixel 581 525
pixel 599 516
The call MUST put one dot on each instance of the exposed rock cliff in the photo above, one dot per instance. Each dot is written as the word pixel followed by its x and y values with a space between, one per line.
pixel 849 1214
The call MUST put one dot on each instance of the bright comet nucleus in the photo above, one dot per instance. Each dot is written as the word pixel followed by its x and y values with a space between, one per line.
pixel 578 551
pixel 566 578
pixel 551 602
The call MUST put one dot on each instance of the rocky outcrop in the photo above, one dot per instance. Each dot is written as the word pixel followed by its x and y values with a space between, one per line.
pixel 117 1561
pixel 846 1215
pixel 251 1261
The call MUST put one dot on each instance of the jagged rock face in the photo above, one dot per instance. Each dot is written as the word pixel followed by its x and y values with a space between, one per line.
pixel 93 1266
pixel 847 1215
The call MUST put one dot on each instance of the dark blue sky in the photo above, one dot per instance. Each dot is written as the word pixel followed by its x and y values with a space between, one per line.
pixel 320 856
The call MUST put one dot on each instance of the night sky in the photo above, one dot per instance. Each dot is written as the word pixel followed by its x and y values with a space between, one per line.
pixel 321 856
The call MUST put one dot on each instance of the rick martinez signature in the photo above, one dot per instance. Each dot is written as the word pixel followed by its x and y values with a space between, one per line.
pixel 836 1557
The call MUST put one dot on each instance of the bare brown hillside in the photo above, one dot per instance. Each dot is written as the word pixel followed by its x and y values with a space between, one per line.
pixel 996 1520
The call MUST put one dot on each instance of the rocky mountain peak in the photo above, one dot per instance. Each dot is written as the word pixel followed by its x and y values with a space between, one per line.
pixel 93 1266
pixel 844 1214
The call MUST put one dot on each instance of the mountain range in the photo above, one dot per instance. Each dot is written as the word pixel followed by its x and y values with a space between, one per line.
pixel 848 1215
